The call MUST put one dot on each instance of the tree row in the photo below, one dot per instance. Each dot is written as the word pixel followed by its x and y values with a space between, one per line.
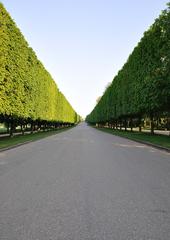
pixel 142 87
pixel 28 94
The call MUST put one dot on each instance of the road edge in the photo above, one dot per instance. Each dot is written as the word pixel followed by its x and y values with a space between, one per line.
pixel 30 141
pixel 139 141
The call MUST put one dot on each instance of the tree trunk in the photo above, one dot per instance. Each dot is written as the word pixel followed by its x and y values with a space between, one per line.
pixel 22 129
pixel 140 127
pixel 113 125
pixel 131 125
pixel 116 125
pixel 152 124
pixel 32 128
pixel 125 123
pixel 120 126
pixel 12 128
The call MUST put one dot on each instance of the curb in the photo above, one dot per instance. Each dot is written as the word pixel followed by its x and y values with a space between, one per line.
pixel 17 145
pixel 140 141
pixel 149 144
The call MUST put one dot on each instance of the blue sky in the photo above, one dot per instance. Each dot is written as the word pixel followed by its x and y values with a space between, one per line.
pixel 83 43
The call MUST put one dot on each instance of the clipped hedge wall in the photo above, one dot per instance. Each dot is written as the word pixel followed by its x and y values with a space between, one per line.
pixel 27 91
pixel 142 86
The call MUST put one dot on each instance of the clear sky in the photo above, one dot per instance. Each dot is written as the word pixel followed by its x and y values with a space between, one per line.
pixel 83 43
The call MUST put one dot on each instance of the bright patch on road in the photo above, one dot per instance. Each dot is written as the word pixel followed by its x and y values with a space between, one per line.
pixel 129 145
pixel 78 140
pixel 2 154
pixel 141 146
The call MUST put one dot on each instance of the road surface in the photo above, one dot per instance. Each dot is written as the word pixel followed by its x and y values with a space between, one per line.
pixel 84 184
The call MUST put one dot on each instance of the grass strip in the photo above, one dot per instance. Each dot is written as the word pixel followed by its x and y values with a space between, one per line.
pixel 6 142
pixel 160 140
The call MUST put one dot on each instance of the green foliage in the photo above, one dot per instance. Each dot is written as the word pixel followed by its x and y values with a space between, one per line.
pixel 142 86
pixel 27 91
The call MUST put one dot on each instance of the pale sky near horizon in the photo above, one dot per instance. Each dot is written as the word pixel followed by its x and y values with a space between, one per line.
pixel 83 44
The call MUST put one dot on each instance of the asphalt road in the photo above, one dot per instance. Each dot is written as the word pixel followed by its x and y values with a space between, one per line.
pixel 84 184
